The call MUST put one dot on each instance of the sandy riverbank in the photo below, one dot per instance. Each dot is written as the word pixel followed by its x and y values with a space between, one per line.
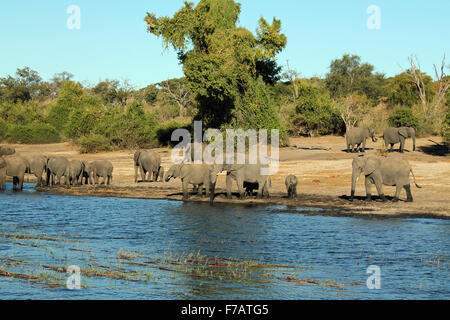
pixel 324 179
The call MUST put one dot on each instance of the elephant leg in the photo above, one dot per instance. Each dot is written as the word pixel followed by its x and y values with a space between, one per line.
pixel 207 186
pixel 368 185
pixel 358 147
pixel 143 174
pixel 229 185
pixel 392 147
pixel 39 180
pixel 402 145
pixel 348 148
pixel 398 189
pixel 185 185
pixel 409 197
pixel 363 148
pixel 379 187
pixel 260 193
pixel 20 182
pixel 240 185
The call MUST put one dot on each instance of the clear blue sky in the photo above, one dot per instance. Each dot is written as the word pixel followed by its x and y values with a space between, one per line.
pixel 113 42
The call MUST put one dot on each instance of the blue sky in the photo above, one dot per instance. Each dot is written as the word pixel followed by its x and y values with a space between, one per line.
pixel 113 43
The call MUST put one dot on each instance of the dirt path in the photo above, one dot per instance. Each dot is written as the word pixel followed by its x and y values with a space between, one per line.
pixel 324 178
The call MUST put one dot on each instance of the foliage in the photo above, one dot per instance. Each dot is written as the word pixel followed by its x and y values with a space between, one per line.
pixel 403 117
pixel 93 143
pixel 221 62
pixel 113 91
pixel 164 131
pixel 32 133
pixel 315 113
pixel 401 90
pixel 445 131
pixel 348 75
pixel 26 85
pixel 3 129
pixel 353 108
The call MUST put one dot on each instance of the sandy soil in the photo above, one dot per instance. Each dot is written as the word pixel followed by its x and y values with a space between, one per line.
pixel 324 178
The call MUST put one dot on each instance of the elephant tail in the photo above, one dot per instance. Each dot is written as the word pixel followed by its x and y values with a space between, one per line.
pixel 414 177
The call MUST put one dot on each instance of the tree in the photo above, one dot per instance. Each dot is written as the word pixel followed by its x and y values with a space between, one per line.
pixel 353 109
pixel 175 90
pixel 400 90
pixel 433 109
pixel 349 75
pixel 221 62
pixel 23 87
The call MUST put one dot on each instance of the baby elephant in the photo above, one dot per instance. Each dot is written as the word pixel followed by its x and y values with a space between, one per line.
pixel 291 186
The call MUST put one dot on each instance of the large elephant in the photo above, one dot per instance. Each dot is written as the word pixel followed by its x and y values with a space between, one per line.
pixel 57 167
pixel 16 166
pixel 2 174
pixel 390 171
pixel 100 168
pixel 76 172
pixel 147 161
pixel 37 166
pixel 241 173
pixel 196 174
pixel 357 136
pixel 393 135
pixel 6 151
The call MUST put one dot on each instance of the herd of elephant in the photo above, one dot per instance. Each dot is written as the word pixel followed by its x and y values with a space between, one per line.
pixel 391 171
pixel 53 168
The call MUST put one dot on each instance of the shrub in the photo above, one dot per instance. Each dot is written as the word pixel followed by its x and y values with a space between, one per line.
pixel 32 133
pixel 315 114
pixel 164 131
pixel 403 117
pixel 94 143
pixel 445 131
pixel 3 129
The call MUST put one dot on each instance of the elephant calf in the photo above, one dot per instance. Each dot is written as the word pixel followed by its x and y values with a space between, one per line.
pixel 196 174
pixel 390 171
pixel 291 186
pixel 357 136
pixel 2 174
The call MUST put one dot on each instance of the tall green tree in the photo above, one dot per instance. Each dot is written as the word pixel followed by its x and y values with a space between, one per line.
pixel 349 75
pixel 221 61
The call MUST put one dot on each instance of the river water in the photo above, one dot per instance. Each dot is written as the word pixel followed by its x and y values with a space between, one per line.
pixel 150 249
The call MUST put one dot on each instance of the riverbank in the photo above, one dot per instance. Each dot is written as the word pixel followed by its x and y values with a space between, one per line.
pixel 324 179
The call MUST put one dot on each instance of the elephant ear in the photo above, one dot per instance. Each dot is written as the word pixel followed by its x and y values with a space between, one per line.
pixel 403 132
pixel 372 163
pixel 2 163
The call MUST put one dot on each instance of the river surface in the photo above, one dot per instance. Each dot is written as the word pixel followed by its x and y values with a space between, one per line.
pixel 160 249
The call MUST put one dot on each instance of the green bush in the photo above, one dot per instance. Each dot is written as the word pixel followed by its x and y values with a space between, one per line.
pixel 164 132
pixel 403 117
pixel 32 133
pixel 315 113
pixel 3 129
pixel 94 143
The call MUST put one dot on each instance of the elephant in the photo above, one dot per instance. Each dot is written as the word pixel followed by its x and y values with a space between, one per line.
pixel 100 168
pixel 2 174
pixel 146 161
pixel 393 135
pixel 291 182
pixel 37 166
pixel 57 167
pixel 357 136
pixel 390 171
pixel 76 172
pixel 16 166
pixel 195 174
pixel 6 151
pixel 250 173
